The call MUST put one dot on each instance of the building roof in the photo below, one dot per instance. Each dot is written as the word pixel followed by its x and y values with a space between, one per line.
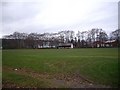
pixel 110 41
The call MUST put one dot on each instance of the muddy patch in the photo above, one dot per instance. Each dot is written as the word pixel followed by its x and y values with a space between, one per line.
pixel 56 80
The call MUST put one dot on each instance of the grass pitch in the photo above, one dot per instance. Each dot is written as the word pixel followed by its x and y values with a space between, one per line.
pixel 99 65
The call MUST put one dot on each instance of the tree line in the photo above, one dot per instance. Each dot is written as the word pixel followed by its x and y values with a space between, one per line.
pixel 83 39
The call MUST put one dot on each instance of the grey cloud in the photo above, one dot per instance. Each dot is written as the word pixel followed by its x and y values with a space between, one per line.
pixel 14 11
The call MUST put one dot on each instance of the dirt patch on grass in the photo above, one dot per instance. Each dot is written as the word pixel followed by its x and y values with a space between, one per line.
pixel 7 84
pixel 57 80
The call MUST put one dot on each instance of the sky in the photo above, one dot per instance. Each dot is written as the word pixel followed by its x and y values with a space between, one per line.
pixel 40 16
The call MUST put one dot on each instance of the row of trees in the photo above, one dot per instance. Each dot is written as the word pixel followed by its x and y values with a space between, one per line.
pixel 81 39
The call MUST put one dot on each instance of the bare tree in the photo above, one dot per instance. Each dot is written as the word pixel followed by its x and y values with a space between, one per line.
pixel 115 34
pixel 84 38
pixel 61 36
pixel 79 38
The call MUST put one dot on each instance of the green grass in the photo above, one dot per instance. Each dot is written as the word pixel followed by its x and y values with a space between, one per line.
pixel 97 64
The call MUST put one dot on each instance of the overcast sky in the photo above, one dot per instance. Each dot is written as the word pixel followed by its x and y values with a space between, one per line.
pixel 41 16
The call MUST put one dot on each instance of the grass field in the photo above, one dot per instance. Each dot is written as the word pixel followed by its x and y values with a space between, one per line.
pixel 60 67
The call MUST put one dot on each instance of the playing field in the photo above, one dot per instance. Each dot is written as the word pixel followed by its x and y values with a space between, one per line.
pixel 88 67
